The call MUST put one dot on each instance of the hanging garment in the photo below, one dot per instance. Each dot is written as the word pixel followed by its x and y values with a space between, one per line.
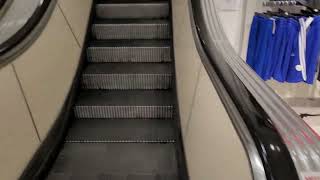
pixel 294 74
pixel 264 47
pixel 279 41
pixel 313 50
pixel 304 27
pixel 267 73
pixel 284 48
pixel 253 40
pixel 280 48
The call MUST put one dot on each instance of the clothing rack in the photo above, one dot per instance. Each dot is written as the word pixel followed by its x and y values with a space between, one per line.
pixel 288 6
pixel 279 3
pixel 288 3
pixel 284 42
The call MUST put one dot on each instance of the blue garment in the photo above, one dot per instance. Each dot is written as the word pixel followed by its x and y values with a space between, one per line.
pixel 273 49
pixel 267 68
pixel 253 40
pixel 279 46
pixel 313 50
pixel 294 75
pixel 280 58
pixel 262 55
pixel 292 53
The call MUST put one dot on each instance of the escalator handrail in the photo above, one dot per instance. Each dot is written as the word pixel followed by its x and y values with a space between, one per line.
pixel 288 148
pixel 4 5
pixel 15 45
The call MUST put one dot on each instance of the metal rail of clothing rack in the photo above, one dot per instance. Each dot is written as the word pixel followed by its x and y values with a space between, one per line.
pixel 279 3
pixel 292 6
pixel 315 4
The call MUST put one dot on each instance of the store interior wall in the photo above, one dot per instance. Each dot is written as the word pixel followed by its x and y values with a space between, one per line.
pixel 35 86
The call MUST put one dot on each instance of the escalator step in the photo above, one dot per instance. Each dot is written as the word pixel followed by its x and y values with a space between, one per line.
pixel 129 51
pixel 121 131
pixel 124 104
pixel 127 76
pixel 132 10
pixel 115 161
pixel 131 29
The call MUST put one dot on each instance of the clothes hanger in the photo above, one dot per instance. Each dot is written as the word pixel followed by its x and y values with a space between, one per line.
pixel 309 10
pixel 263 15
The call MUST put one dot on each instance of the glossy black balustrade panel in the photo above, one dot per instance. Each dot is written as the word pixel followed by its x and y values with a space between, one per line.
pixel 287 146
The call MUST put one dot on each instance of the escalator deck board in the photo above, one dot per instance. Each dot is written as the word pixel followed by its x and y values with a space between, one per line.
pixel 127 161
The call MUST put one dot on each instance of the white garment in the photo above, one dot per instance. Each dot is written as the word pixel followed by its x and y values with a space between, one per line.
pixel 304 26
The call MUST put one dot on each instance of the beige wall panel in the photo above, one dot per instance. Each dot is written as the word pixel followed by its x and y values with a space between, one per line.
pixel 213 148
pixel 47 69
pixel 77 13
pixel 18 139
pixel 186 58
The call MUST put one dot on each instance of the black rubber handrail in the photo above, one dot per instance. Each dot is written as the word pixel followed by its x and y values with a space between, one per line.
pixel 22 33
pixel 288 148
pixel 2 3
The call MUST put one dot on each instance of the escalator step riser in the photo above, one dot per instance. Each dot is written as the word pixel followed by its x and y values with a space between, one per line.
pixel 132 10
pixel 129 54
pixel 127 81
pixel 131 31
pixel 123 111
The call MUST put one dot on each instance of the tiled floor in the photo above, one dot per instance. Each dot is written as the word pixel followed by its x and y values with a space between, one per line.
pixel 314 120
pixel 309 107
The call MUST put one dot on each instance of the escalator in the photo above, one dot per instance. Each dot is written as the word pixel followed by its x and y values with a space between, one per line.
pixel 125 121
pixel 154 91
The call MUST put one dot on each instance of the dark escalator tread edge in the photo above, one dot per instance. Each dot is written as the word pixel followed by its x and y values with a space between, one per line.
pixel 105 176
pixel 131 21
pixel 145 3
pixel 121 130
pixel 134 10
pixel 130 1
pixel 130 43
pixel 125 98
pixel 129 68
pixel 118 161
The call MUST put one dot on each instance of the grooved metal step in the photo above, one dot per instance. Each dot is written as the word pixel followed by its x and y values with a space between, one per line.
pixel 131 29
pixel 133 10
pixel 121 130
pixel 127 76
pixel 127 161
pixel 124 104
pixel 129 51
